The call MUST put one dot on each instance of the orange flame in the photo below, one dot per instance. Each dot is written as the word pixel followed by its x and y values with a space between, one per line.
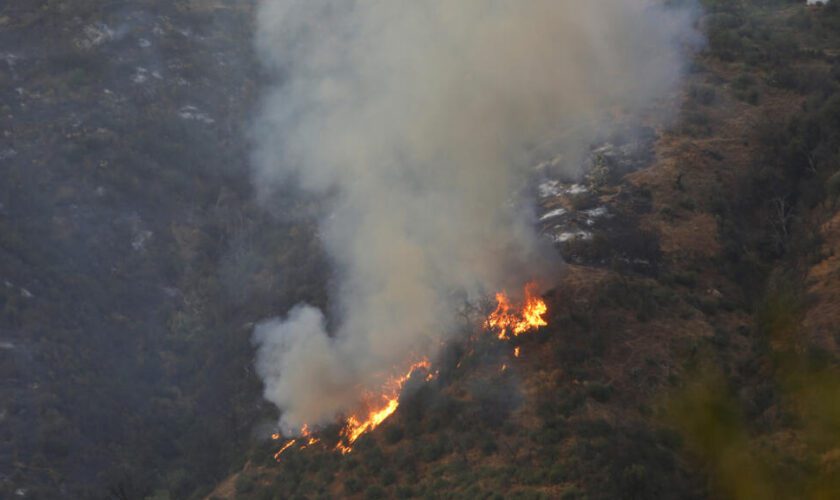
pixel 357 425
pixel 505 320
pixel 310 442
pixel 284 448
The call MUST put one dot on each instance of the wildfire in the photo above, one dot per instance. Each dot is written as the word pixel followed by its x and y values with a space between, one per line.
pixel 506 320
pixel 310 442
pixel 284 448
pixel 356 425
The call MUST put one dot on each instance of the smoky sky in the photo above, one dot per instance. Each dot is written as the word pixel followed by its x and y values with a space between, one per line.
pixel 420 122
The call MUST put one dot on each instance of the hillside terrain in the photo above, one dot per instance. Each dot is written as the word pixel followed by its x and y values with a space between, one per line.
pixel 690 351
pixel 132 255
pixel 692 342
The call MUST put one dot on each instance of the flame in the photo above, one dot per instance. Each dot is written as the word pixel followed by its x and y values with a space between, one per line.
pixel 284 448
pixel 357 425
pixel 305 432
pixel 310 442
pixel 506 320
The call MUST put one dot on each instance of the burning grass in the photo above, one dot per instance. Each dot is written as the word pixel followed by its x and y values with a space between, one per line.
pixel 507 319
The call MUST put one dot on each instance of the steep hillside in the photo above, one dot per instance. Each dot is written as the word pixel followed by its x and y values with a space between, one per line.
pixel 690 350
pixel 128 247
pixel 692 343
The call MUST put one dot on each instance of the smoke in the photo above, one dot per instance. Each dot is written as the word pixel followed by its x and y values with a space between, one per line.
pixel 420 122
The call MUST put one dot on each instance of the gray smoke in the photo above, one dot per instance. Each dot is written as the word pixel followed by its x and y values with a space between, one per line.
pixel 421 120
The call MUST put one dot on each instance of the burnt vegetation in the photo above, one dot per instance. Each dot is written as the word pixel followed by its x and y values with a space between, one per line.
pixel 133 260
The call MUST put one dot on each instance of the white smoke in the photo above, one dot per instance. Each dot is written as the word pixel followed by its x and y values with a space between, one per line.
pixel 420 120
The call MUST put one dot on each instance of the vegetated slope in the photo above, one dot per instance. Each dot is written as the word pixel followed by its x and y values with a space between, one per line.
pixel 132 259
pixel 131 254
pixel 691 348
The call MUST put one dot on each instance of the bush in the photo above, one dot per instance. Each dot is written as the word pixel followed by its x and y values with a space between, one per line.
pixel 375 492
pixel 832 187
pixel 488 446
pixel 696 123
pixel 702 94
pixel 393 434
pixel 557 474
pixel 434 450
pixel 389 477
pixel 404 492
pixel 572 493
pixel 353 485
pixel 687 279
pixel 599 392
pixel 635 482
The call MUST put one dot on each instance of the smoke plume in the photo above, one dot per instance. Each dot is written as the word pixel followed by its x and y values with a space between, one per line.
pixel 420 122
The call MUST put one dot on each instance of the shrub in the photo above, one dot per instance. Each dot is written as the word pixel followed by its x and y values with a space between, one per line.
pixel 687 279
pixel 375 492
pixel 393 434
pixel 557 474
pixel 833 186
pixel 572 493
pixel 702 94
pixel 697 123
pixel 389 477
pixel 434 450
pixel 353 485
pixel 488 446
pixel 599 392
pixel 404 492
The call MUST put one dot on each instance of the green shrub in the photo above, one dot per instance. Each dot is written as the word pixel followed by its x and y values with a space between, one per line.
pixel 488 445
pixel 557 474
pixel 832 187
pixel 353 485
pixel 389 477
pixel 393 434
pixel 686 278
pixel 375 492
pixel 599 392
pixel 404 492
pixel 572 493
pixel 635 482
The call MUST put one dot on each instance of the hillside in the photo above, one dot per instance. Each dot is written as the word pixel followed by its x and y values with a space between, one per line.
pixel 660 373
pixel 130 259
pixel 692 342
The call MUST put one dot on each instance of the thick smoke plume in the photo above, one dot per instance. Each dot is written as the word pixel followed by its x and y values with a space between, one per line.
pixel 421 121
